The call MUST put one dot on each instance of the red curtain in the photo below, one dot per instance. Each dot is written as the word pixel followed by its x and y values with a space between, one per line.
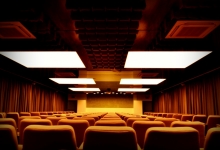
pixel 199 96
pixel 18 95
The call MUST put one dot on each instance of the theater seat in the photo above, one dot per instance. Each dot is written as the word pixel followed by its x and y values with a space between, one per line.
pixel 201 118
pixel 110 138
pixel 176 138
pixel 90 120
pixel 199 126
pixel 166 121
pixel 13 115
pixel 35 113
pixel 9 121
pixel 8 138
pixel 25 114
pixel 26 122
pixel 110 123
pixel 40 137
pixel 26 117
pixel 79 127
pixel 187 117
pixel 212 121
pixel 55 120
pixel 131 120
pixel 141 127
pixel 212 141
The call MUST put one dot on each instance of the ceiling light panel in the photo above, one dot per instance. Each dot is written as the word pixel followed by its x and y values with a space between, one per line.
pixel 142 81
pixel 133 89
pixel 85 89
pixel 46 59
pixel 163 59
pixel 73 80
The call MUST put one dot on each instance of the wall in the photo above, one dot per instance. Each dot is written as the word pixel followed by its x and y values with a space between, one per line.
pixel 110 102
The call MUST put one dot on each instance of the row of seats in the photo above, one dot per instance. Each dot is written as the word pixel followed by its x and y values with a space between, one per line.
pixel 210 121
pixel 182 117
pixel 104 119
pixel 41 137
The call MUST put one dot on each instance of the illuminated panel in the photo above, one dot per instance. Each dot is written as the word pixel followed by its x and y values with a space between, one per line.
pixel 46 59
pixel 141 81
pixel 73 80
pixel 85 89
pixel 163 59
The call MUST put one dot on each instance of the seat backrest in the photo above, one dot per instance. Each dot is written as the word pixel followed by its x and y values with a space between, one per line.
pixel 45 116
pixel 110 123
pixel 26 117
pixel 25 114
pixel 187 117
pixel 212 139
pixel 199 126
pixel 131 120
pixel 131 116
pixel 9 121
pixel 49 113
pixel 140 128
pixel 92 116
pixel 212 121
pixel 2 115
pixel 40 137
pixel 90 120
pixel 151 118
pixel 55 120
pixel 177 116
pixel 166 121
pixel 110 118
pixel 79 127
pixel 164 115
pixel 176 138
pixel 109 138
pixel 169 115
pixel 13 115
pixel 43 113
pixel 8 137
pixel 35 113
pixel 201 118
pixel 26 122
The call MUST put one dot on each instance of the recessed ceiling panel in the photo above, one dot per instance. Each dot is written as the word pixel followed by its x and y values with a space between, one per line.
pixel 73 80
pixel 141 81
pixel 133 89
pixel 85 89
pixel 163 59
pixel 45 59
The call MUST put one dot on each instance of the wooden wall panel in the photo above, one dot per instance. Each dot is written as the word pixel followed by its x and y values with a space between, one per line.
pixel 109 101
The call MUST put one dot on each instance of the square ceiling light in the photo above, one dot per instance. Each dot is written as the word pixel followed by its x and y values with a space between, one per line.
pixel 142 81
pixel 133 89
pixel 163 59
pixel 85 89
pixel 73 80
pixel 45 59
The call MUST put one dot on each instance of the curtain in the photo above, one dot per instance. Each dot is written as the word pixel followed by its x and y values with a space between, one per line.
pixel 18 95
pixel 199 96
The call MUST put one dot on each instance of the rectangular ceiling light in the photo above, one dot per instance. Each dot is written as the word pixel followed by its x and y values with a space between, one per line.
pixel 73 80
pixel 163 59
pixel 132 89
pixel 85 89
pixel 141 81
pixel 45 59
